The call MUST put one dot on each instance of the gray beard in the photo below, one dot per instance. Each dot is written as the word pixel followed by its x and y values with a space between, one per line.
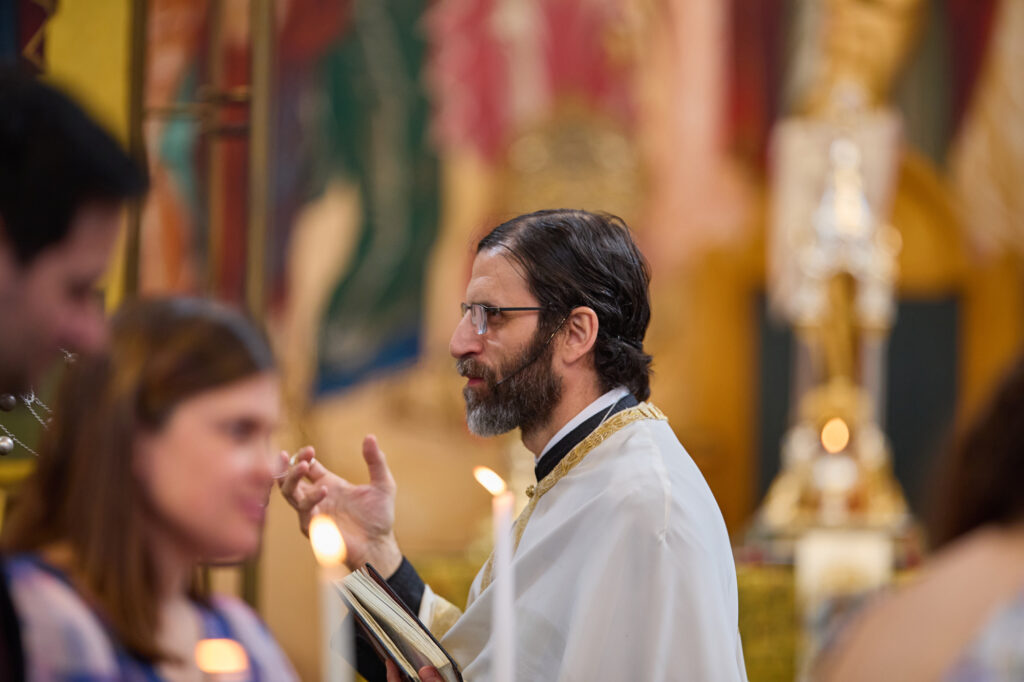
pixel 489 419
pixel 525 399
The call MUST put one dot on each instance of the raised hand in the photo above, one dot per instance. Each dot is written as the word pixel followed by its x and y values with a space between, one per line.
pixel 364 513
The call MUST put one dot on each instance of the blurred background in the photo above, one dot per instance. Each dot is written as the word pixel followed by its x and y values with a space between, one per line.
pixel 828 192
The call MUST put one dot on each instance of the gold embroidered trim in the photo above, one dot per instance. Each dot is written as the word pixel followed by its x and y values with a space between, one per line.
pixel 443 615
pixel 575 456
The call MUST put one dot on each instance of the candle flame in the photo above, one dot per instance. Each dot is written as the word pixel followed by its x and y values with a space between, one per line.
pixel 221 656
pixel 835 435
pixel 487 478
pixel 328 545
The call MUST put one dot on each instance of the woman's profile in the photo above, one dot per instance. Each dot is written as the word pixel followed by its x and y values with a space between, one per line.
pixel 158 460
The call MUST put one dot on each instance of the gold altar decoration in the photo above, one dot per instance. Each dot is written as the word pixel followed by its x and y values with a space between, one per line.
pixel 833 266
pixel 834 524
pixel 839 266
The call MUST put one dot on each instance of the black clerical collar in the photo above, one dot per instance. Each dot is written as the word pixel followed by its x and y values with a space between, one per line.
pixel 554 455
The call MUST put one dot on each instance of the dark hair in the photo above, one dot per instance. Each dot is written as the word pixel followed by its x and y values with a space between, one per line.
pixel 979 482
pixel 84 491
pixel 574 258
pixel 53 160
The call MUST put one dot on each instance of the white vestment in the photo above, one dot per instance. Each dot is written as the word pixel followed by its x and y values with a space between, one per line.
pixel 623 572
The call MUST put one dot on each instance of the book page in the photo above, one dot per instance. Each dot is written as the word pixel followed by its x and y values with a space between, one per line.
pixel 407 632
pixel 380 633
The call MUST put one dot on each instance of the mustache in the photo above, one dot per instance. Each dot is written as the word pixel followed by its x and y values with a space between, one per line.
pixel 468 367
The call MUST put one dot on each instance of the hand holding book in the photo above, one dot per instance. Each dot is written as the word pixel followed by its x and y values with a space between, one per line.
pixel 395 632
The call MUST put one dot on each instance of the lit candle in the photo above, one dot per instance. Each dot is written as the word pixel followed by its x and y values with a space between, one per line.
pixel 329 549
pixel 503 619
pixel 223 660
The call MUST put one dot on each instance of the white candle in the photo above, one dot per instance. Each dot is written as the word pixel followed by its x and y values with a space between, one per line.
pixel 330 551
pixel 503 619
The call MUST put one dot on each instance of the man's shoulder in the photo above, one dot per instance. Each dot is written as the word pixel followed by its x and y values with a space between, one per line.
pixel 644 466
pixel 643 449
pixel 630 466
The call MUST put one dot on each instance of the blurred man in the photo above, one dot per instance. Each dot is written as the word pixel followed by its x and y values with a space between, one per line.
pixel 622 564
pixel 63 184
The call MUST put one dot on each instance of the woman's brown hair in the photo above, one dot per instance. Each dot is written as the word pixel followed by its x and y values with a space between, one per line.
pixel 84 491
pixel 979 483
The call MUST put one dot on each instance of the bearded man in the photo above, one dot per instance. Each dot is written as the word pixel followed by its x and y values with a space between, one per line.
pixel 622 565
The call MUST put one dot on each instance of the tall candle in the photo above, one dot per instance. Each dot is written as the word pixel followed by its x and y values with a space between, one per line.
pixel 330 551
pixel 503 618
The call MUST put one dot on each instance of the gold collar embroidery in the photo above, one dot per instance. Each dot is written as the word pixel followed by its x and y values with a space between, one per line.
pixel 575 456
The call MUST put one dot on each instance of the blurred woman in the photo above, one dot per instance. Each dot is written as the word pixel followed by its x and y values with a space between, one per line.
pixel 158 460
pixel 962 617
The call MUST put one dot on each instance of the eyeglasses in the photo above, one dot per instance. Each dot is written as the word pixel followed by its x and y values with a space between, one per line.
pixel 478 313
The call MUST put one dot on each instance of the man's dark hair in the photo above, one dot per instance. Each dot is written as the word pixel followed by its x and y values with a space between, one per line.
pixel 574 258
pixel 53 160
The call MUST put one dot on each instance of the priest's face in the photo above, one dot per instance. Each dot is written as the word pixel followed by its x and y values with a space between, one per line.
pixel 511 382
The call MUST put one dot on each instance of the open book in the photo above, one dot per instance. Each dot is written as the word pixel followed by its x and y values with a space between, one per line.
pixel 393 629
